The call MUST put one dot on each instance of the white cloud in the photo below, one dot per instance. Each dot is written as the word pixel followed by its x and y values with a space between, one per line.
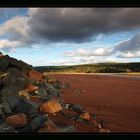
pixel 6 44
pixel 14 25
pixel 85 52
pixel 130 55
pixel 83 60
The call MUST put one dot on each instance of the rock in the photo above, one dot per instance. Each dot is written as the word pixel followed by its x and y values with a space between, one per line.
pixel 14 76
pixel 11 90
pixel 42 93
pixel 19 105
pixel 101 130
pixel 6 108
pixel 17 120
pixel 50 89
pixel 31 88
pixel 50 107
pixel 25 94
pixel 13 82
pixel 35 124
pixel 94 116
pixel 85 116
pixel 76 107
pixel 103 123
pixel 34 75
pixel 49 126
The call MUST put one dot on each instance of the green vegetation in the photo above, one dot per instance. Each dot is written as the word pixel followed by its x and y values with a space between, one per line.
pixel 93 68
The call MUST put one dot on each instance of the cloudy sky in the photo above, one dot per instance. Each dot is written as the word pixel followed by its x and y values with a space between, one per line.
pixel 67 36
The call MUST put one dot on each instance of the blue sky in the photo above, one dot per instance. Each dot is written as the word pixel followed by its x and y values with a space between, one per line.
pixel 31 35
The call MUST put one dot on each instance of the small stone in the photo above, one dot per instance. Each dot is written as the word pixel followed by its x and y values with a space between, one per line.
pixel 17 120
pixel 99 126
pixel 94 116
pixel 84 91
pixel 101 130
pixel 85 116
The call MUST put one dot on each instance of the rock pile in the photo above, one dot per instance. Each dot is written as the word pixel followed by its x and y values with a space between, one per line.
pixel 32 102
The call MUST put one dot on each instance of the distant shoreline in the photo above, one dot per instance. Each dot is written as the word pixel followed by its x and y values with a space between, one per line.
pixel 133 76
pixel 93 68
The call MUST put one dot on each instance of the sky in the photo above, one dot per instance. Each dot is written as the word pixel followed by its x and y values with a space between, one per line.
pixel 70 36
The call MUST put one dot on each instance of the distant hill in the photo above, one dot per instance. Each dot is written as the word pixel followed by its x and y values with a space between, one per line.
pixel 93 68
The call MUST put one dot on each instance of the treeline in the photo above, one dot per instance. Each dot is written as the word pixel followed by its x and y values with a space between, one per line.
pixel 93 68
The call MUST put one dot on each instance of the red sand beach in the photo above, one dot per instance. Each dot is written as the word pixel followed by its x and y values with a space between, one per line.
pixel 115 99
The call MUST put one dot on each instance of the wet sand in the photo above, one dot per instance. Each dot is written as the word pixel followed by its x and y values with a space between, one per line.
pixel 113 98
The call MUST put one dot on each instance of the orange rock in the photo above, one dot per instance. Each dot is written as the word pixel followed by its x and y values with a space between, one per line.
pixel 50 107
pixel 16 120
pixel 35 75
pixel 31 88
pixel 85 116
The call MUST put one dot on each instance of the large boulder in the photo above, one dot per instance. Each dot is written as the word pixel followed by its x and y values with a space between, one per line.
pixel 35 124
pixel 17 104
pixel 50 106
pixel 17 120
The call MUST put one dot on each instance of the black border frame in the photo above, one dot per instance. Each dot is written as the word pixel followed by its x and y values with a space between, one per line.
pixel 69 3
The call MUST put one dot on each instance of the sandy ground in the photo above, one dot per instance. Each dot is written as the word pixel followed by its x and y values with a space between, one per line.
pixel 114 98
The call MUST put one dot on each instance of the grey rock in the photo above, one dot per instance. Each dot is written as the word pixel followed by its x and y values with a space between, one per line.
pixel 19 105
pixel 35 124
